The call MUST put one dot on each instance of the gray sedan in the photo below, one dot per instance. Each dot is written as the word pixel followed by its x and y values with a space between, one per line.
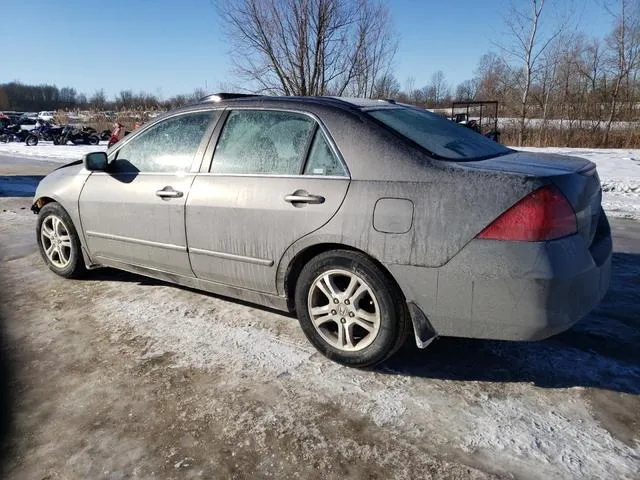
pixel 369 219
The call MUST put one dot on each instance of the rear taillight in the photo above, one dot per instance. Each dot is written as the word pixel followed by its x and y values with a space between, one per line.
pixel 542 215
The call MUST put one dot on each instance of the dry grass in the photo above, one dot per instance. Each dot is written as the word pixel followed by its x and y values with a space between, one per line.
pixel 105 121
pixel 564 137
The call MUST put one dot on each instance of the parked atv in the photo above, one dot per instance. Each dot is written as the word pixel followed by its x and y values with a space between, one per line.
pixel 13 133
pixel 77 136
pixel 46 132
pixel 485 114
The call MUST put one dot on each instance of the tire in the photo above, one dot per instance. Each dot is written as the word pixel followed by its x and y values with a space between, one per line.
pixel 54 219
pixel 375 302
pixel 4 138
pixel 31 140
pixel 94 139
pixel 56 141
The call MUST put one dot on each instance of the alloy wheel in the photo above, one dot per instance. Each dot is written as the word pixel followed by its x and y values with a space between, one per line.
pixel 344 310
pixel 56 241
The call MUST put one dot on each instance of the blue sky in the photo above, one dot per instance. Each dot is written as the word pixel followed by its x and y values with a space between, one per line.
pixel 167 47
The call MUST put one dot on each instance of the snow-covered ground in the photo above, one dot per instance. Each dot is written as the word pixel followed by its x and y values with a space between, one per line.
pixel 619 169
pixel 49 151
pixel 104 352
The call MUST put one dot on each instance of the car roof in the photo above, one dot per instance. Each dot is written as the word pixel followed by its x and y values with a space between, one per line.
pixel 344 102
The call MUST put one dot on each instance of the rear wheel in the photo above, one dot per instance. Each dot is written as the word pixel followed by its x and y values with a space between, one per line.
pixel 350 310
pixel 94 139
pixel 32 140
pixel 58 242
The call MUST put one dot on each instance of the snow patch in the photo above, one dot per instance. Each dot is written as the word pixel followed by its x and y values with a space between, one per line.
pixel 51 152
pixel 550 435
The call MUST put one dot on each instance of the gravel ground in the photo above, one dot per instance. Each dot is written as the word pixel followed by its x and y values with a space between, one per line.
pixel 119 376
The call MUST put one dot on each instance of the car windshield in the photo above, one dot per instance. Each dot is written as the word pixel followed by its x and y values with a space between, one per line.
pixel 441 137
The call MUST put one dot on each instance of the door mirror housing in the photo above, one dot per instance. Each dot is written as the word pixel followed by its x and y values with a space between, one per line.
pixel 95 161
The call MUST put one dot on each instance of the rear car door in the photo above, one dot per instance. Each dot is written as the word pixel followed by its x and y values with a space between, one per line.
pixel 134 212
pixel 275 177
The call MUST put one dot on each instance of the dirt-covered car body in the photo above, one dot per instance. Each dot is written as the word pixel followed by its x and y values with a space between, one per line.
pixel 244 227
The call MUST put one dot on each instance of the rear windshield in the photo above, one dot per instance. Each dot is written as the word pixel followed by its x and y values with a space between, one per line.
pixel 441 137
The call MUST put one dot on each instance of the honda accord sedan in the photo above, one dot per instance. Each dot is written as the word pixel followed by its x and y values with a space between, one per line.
pixel 371 220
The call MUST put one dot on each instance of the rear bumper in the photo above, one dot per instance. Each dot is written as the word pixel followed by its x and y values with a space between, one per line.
pixel 511 290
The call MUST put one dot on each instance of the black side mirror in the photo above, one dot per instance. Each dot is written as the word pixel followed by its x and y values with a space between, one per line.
pixel 95 161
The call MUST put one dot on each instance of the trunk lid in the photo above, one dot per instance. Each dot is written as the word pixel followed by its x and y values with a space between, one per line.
pixel 576 178
pixel 534 164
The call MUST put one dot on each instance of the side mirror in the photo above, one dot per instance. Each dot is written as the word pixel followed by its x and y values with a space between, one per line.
pixel 95 161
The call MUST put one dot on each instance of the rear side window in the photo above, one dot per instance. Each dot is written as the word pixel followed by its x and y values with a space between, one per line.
pixel 263 142
pixel 443 138
pixel 322 160
pixel 169 146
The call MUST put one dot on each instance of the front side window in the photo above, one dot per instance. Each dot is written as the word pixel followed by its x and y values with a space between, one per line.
pixel 443 138
pixel 263 142
pixel 169 146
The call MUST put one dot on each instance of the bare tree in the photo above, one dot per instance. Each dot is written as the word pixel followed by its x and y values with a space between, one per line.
pixel 4 100
pixel 546 83
pixel 467 90
pixel 528 41
pixel 125 98
pixel 624 50
pixel 439 86
pixel 376 51
pixel 494 78
pixel 387 86
pixel 410 84
pixel 309 47
pixel 98 99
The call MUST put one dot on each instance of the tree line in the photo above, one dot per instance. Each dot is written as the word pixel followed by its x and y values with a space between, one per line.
pixel 16 96
pixel 555 82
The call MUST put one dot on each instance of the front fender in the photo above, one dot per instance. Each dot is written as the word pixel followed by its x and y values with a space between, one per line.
pixel 63 186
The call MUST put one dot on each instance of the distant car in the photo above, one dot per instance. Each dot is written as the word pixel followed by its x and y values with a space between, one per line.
pixel 369 219
pixel 27 123
pixel 46 116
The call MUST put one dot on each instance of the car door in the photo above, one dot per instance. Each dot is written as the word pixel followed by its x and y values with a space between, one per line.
pixel 133 213
pixel 274 178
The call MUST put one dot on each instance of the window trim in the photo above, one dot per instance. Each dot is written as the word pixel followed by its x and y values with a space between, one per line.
pixel 207 162
pixel 197 157
pixel 307 149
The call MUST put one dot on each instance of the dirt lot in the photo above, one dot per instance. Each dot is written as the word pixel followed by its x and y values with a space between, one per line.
pixel 118 376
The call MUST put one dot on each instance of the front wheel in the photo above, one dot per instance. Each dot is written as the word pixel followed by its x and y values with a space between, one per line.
pixel 58 242
pixel 350 310
pixel 31 140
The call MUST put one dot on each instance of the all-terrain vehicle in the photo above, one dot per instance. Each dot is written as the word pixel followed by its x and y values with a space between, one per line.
pixel 77 136
pixel 45 131
pixel 480 116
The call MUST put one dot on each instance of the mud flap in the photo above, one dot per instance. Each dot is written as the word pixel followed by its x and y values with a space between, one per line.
pixel 422 328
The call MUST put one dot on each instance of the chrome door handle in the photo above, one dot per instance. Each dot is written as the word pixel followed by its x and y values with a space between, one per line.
pixel 169 192
pixel 298 198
